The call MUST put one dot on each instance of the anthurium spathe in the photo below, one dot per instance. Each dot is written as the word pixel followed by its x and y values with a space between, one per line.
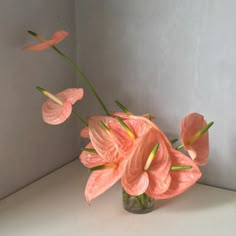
pixel 183 179
pixel 101 180
pixel 57 108
pixel 56 38
pixel 111 139
pixel 143 175
pixel 197 144
pixel 107 173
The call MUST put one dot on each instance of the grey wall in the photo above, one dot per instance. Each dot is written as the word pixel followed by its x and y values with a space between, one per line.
pixel 29 148
pixel 168 58
pixel 165 57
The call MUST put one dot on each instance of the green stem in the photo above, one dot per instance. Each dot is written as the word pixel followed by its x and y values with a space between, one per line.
pixel 140 200
pixel 82 121
pixel 122 106
pixel 83 76
pixel 173 141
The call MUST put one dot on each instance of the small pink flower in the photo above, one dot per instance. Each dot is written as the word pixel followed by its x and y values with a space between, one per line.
pixel 54 113
pixel 56 38
pixel 199 149
pixel 181 180
pixel 153 178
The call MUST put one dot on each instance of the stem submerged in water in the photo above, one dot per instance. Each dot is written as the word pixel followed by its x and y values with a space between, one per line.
pixel 138 204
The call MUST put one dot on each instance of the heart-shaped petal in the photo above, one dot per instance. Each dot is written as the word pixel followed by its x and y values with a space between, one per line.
pixel 54 113
pixel 198 150
pixel 181 180
pixel 136 180
pixel 109 143
pixel 101 180
pixel 55 39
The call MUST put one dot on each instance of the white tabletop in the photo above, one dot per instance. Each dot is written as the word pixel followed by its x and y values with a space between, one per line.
pixel 55 205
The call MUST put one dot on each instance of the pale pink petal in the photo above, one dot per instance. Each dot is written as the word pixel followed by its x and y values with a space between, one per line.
pixel 158 172
pixel 156 178
pixel 54 113
pixel 121 115
pixel 71 95
pixel 121 139
pixel 125 116
pixel 136 185
pixel 105 142
pixel 84 133
pixel 56 38
pixel 90 159
pixel 135 180
pixel 101 180
pixel 59 36
pixel 181 180
pixel 138 124
pixel 199 150
pixel 40 46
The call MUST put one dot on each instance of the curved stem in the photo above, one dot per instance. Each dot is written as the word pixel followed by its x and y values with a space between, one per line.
pixel 82 121
pixel 83 76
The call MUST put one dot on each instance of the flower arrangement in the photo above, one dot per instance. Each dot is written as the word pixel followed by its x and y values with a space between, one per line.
pixel 127 147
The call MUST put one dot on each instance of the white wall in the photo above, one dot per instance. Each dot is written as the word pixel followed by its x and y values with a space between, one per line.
pixel 29 148
pixel 167 57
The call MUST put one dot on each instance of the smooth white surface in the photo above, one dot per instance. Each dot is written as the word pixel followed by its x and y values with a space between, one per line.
pixel 55 206
pixel 169 58
pixel 29 148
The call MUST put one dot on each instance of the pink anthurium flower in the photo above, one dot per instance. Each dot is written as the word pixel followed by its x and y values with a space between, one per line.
pixel 198 148
pixel 181 180
pixel 101 180
pixel 107 174
pixel 56 38
pixel 147 171
pixel 57 108
pixel 113 146
pixel 115 140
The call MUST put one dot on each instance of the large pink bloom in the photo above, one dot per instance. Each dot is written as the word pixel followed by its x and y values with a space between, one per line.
pixel 156 179
pixel 54 113
pixel 181 180
pixel 199 149
pixel 56 38
pixel 101 180
pixel 116 142
pixel 113 146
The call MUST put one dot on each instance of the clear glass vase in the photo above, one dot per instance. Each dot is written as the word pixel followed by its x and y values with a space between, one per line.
pixel 137 204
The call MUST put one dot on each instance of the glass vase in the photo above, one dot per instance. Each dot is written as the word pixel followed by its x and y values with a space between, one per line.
pixel 141 204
